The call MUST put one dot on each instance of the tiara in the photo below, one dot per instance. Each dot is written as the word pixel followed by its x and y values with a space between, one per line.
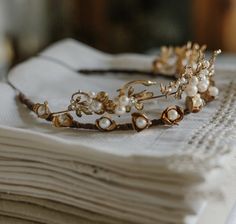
pixel 193 76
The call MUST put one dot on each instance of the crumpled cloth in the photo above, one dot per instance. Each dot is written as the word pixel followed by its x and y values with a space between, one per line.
pixel 161 175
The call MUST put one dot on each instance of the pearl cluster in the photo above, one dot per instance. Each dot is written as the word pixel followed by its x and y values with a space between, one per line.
pixel 200 83
pixel 123 101
pixel 95 105
pixel 120 108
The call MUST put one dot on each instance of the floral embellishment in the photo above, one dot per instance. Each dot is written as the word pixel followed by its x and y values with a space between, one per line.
pixel 105 124
pixel 42 110
pixel 194 104
pixel 172 115
pixel 140 121
pixel 62 120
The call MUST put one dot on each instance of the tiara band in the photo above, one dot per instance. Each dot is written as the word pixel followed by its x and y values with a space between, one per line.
pixel 194 80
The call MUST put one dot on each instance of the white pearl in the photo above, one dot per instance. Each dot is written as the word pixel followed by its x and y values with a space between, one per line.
pixel 204 72
pixel 96 106
pixel 197 102
pixel 91 94
pixel 183 80
pixel 191 90
pixel 124 100
pixel 119 110
pixel 141 122
pixel 213 91
pixel 203 77
pixel 104 123
pixel 202 86
pixel 172 115
pixel 193 80
pixel 41 110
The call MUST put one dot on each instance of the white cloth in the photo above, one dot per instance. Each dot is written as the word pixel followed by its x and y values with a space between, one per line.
pixel 161 175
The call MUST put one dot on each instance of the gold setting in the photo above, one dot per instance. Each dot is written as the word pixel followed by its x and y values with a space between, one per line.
pixel 62 120
pixel 42 110
pixel 109 127
pixel 167 120
pixel 192 106
pixel 143 118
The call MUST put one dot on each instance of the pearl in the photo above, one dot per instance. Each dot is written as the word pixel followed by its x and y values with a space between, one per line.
pixel 41 110
pixel 141 122
pixel 124 100
pixel 213 91
pixel 193 80
pixel 191 90
pixel 203 77
pixel 202 86
pixel 91 94
pixel 183 80
pixel 96 106
pixel 172 115
pixel 197 102
pixel 204 72
pixel 119 110
pixel 104 123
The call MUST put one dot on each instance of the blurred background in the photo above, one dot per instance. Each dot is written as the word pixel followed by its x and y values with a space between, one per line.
pixel 28 26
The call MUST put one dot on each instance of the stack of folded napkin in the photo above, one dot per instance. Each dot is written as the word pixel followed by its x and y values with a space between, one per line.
pixel 161 175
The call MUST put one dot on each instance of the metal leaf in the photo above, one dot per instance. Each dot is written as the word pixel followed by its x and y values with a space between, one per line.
pixel 128 109
pixel 86 111
pixel 148 94
pixel 139 106
pixel 130 91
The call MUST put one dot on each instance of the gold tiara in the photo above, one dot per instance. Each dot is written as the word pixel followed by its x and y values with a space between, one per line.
pixel 194 81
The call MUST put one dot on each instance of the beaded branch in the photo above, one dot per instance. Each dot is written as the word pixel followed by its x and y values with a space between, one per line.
pixel 193 80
